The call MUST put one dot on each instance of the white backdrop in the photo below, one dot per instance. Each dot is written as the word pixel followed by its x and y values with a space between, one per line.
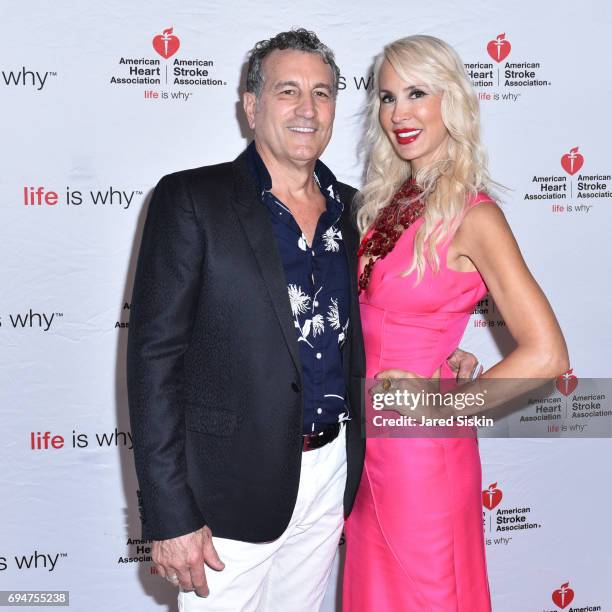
pixel 81 152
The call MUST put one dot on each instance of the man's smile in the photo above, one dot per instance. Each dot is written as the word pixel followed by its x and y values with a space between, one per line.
pixel 303 130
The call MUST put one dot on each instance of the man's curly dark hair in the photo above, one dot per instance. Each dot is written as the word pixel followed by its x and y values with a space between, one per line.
pixel 299 39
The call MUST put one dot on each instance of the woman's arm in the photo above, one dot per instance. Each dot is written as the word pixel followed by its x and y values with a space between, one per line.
pixel 487 240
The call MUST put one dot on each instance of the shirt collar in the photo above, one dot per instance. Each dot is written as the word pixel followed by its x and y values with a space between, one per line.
pixel 323 175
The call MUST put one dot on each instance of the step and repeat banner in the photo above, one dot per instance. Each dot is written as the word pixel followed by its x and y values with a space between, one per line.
pixel 99 100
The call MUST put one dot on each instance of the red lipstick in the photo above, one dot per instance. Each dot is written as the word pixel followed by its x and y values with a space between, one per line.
pixel 406 136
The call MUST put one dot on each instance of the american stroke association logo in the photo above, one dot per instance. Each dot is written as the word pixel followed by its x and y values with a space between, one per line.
pixel 572 161
pixel 499 48
pixel 491 496
pixel 499 521
pixel 499 77
pixel 564 595
pixel 587 409
pixel 569 189
pixel 166 43
pixel 567 382
pixel 577 407
pixel 165 71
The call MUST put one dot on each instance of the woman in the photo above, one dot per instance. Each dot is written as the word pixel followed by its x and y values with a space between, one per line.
pixel 434 244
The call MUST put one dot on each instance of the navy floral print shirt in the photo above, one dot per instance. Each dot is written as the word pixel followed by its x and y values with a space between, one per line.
pixel 319 293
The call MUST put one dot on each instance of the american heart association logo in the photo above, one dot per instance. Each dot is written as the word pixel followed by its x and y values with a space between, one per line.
pixel 166 44
pixel 567 382
pixel 572 162
pixel 491 496
pixel 563 596
pixel 499 49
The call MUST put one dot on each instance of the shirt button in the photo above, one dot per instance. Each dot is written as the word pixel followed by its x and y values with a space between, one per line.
pixel 319 355
pixel 319 410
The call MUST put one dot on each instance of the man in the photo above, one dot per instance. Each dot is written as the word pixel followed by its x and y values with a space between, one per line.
pixel 245 353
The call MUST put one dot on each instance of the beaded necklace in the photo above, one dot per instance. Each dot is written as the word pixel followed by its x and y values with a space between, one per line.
pixel 390 224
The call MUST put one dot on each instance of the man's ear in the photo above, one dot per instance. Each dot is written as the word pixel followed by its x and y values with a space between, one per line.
pixel 249 101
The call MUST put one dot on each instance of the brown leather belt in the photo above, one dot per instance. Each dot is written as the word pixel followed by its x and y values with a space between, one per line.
pixel 317 440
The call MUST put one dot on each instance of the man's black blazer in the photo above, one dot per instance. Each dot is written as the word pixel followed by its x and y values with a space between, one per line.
pixel 214 380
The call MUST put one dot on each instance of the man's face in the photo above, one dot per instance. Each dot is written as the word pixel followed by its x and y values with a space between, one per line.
pixel 294 115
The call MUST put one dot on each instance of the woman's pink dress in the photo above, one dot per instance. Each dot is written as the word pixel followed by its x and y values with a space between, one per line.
pixel 414 539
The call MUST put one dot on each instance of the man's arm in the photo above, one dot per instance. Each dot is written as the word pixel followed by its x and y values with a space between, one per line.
pixel 164 300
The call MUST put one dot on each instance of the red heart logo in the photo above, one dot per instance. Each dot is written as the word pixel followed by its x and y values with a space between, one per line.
pixel 572 162
pixel 563 596
pixel 166 44
pixel 499 49
pixel 566 383
pixel 491 496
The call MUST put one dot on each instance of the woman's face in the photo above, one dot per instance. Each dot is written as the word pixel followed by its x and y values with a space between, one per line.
pixel 412 119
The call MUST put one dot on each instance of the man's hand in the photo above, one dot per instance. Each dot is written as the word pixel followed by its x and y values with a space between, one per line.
pixel 181 560
pixel 464 364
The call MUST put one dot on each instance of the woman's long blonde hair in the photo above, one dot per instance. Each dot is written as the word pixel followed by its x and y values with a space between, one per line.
pixel 446 184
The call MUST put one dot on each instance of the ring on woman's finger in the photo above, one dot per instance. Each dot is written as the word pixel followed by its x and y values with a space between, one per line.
pixel 386 384
pixel 173 579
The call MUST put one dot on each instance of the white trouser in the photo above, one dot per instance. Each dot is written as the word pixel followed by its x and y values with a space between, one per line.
pixel 290 573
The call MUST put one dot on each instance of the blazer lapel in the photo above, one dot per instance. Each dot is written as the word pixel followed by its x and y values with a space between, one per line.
pixel 254 219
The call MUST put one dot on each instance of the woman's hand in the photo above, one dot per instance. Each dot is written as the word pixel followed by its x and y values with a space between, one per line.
pixel 465 365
